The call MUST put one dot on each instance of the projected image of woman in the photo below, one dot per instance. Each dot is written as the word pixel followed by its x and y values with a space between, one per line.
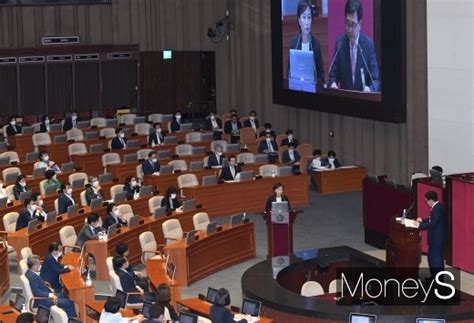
pixel 305 41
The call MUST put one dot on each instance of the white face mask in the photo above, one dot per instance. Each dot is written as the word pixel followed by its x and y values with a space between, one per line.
pixel 69 191
pixel 133 183
pixel 213 118
pixel 178 116
pixel 154 160
pixel 290 137
pixel 268 130
pixel 158 130
pixel 219 153
pixel 45 158
pixel 318 158
pixel 46 121
pixel 59 255
pixel 95 184
pixel 252 118
pixel 122 135
pixel 269 139
pixel 173 196
pixel 22 184
pixel 13 122
pixel 331 160
pixel 291 151
pixel 116 213
pixel 33 207
pixel 74 118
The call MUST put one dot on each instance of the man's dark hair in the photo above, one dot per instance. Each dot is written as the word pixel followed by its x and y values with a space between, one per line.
pixel 253 112
pixel 431 196
pixel 291 145
pixel 28 201
pixel 34 196
pixel 42 154
pixel 151 153
pixel 232 156
pixel 438 169
pixel 118 130
pixel 331 153
pixel 93 217
pixel 163 293
pixel 223 297
pixel 156 124
pixel 268 125
pixel 121 248
pixel 317 152
pixel 302 6
pixel 289 132
pixel 278 185
pixel 112 305
pixel 25 318
pixel 156 310
pixel 110 207
pixel 354 6
pixel 118 261
pixel 54 246
pixel 49 174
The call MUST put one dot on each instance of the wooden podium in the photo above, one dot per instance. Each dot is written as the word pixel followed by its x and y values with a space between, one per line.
pixel 403 248
pixel 279 234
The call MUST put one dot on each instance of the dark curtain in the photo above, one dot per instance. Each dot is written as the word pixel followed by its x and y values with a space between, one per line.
pixel 119 80
pixel 59 87
pixel 8 90
pixel 87 86
pixel 32 89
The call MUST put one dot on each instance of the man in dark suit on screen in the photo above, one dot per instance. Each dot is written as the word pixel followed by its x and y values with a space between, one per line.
pixel 355 62
pixel 437 226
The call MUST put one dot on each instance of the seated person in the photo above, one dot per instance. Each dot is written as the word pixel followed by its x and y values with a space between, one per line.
pixel 65 200
pixel 170 201
pixel 157 137
pixel 51 179
pixel 252 121
pixel 113 217
pixel 90 230
pixel 13 128
pixel 44 126
pixel 229 172
pixel 119 142
pixel 40 289
pixel 176 122
pixel 163 297
pixel 28 214
pixel 268 129
pixel 216 158
pixel 41 211
pixel 232 128
pixel 269 147
pixel 277 197
pixel 20 186
pixel 3 191
pixel 52 266
pixel 291 156
pixel 290 139
pixel 122 250
pixel 220 312
pixel 94 191
pixel 129 282
pixel 46 163
pixel 111 313
pixel 214 124
pixel 156 312
pixel 70 122
pixel 25 317
pixel 316 163
pixel 332 162
pixel 151 166
pixel 132 187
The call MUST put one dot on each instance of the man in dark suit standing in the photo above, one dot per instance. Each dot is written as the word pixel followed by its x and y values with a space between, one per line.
pixel 355 62
pixel 216 159
pixel 70 122
pixel 232 128
pixel 437 226
pixel 90 230
pixel 151 166
pixel 229 172
pixel 52 266
pixel 119 142
pixel 157 137
pixel 214 124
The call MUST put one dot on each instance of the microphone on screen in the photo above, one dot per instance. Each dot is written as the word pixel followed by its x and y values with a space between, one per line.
pixel 334 60
pixel 362 76
pixel 365 64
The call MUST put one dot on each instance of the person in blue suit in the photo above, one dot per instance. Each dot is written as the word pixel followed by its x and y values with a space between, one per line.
pixel 129 283
pixel 291 155
pixel 40 289
pixel 220 312
pixel 176 122
pixel 52 266
pixel 28 214
pixel 269 147
pixel 437 226
pixel 156 137
pixel 332 162
pixel 65 200
pixel 119 142
pixel 217 158
pixel 355 61
pixel 151 166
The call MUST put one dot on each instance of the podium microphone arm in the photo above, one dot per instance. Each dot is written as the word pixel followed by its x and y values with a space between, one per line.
pixel 365 63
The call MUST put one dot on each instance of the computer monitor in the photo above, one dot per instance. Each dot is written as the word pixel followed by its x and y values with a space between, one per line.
pixel 120 197
pixel 196 165
pixel 146 309
pixel 43 314
pixel 96 148
pixel 67 167
pixel 33 156
pixel 3 201
pixel 189 205
pixel 159 212
pixel 105 178
pixel 211 295
pixel 362 318
pixel 25 195
pixel 166 169
pixel 209 180
pixel 33 225
pixel 27 130
pixel 190 237
pixel 60 139
pixel 236 219
pixel 51 217
pixel 91 135
pixel 186 127
pixel 141 119
pixel 280 207
pixel 111 231
pixel 72 210
pixel 146 191
pixel 39 172
pixel 82 124
pixel 133 221
pixel 187 318
pixel 96 203
pixel 245 176
pixel 422 320
pixel 211 227
pixel 199 150
pixel 130 158
pixel 121 297
pixel 50 190
pixel 55 127
pixel 170 140
pixel 20 300
pixel 164 154
pixel 78 183
pixel 251 307
pixel 133 143
pixel 5 161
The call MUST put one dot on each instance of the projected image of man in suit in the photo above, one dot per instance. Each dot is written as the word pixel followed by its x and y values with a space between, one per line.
pixel 355 64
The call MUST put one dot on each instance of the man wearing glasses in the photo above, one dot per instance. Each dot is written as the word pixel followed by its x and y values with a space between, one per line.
pixel 355 63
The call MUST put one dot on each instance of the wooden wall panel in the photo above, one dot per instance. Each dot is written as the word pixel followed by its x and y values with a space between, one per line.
pixel 243 68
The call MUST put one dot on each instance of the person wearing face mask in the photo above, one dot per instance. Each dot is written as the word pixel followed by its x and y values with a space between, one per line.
pixel 151 166
pixel 277 196
pixel 269 147
pixel 157 137
pixel 46 163
pixel 65 200
pixel 291 156
pixel 90 230
pixel 113 217
pixel 20 186
pixel 94 191
pixel 132 187
pixel 314 165
pixel 214 124
pixel 252 121
pixel 47 296
pixel 268 130
pixel 332 162
pixel 119 142
pixel 29 213
pixel 70 122
pixel 41 211
pixel 229 172
pixel 13 128
pixel 216 159
pixel 290 138
pixel 176 122
pixel 51 179
pixel 45 122
pixel 232 128
pixel 170 201
pixel 52 266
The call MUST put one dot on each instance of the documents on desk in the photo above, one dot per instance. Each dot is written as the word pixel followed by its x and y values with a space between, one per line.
pixel 408 223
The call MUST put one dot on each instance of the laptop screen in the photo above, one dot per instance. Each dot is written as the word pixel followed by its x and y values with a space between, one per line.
pixel 42 316
pixel 211 295
pixel 121 298
pixel 146 309
pixel 362 318
pixel 187 318
pixel 250 307
pixel 430 321
pixel 19 301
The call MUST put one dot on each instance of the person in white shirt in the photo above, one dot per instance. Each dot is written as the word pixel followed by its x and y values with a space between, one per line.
pixel 111 313
pixel 315 164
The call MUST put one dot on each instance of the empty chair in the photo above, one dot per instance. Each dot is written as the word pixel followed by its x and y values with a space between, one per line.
pixel 333 286
pixel 127 119
pixel 172 230
pixel 76 176
pixel 126 211
pixel 107 133
pixel 98 122
pixel 75 134
pixel 41 139
pixel 268 170
pixel 9 221
pixel 193 136
pixel 305 150
pixel 155 117
pixel 143 153
pixel 13 156
pixel 247 136
pixel 149 247
pixel 187 180
pixel 280 138
pixel 26 252
pixel 179 164
pixel 200 221
pixel 68 237
pixel 77 148
pixel 184 150
pixel 311 288
pixel 142 129
pixel 246 158
pixel 58 315
pixel 114 190
pixel 8 171
pixel 222 143
pixel 109 159
pixel 154 203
